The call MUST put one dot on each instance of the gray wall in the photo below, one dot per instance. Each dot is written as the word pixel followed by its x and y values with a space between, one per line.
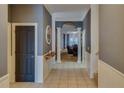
pixel 86 26
pixel 46 21
pixel 32 13
pixel 3 39
pixel 112 35
pixel 29 13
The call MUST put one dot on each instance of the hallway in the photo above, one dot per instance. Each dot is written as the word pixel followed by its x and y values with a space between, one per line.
pixel 62 78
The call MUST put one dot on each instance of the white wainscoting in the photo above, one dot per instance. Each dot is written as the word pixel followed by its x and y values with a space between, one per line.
pixel 39 69
pixel 46 67
pixel 109 77
pixel 87 60
pixel 4 81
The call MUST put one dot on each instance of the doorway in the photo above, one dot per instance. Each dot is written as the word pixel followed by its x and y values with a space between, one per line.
pixel 69 46
pixel 24 52
pixel 72 44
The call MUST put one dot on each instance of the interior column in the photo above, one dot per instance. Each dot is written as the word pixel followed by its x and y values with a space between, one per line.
pixel 79 44
pixel 58 45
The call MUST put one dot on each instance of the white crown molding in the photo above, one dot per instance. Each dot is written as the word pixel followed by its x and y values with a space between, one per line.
pixel 85 14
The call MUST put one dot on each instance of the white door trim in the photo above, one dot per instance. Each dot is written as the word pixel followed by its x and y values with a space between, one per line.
pixel 79 45
pixel 13 47
pixel 94 56
pixel 9 50
pixel 83 47
pixel 58 44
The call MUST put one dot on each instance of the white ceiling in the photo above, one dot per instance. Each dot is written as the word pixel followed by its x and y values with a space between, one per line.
pixel 68 12
pixel 55 8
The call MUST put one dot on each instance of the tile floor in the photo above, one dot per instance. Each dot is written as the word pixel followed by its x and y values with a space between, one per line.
pixel 62 78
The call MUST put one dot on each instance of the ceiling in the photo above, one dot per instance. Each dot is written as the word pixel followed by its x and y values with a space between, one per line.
pixel 68 12
pixel 55 8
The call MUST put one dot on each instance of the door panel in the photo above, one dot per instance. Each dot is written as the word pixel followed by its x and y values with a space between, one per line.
pixel 25 52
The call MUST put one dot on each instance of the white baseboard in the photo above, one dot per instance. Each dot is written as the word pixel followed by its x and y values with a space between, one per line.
pixel 4 81
pixel 109 77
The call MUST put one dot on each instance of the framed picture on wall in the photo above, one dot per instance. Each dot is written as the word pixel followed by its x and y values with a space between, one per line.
pixel 48 34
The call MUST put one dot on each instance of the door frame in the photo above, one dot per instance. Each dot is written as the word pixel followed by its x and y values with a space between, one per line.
pixel 83 47
pixel 12 74
pixel 58 44
pixel 9 50
pixel 94 56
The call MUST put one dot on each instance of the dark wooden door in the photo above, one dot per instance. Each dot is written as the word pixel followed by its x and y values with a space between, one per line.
pixel 25 52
